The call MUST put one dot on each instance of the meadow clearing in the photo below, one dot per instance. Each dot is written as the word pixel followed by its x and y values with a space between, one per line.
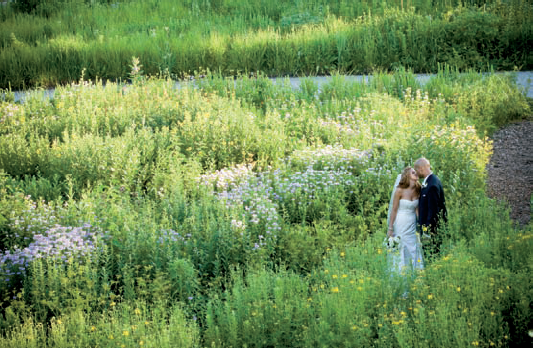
pixel 243 213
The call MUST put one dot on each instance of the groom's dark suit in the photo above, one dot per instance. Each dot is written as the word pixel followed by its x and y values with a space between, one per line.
pixel 432 208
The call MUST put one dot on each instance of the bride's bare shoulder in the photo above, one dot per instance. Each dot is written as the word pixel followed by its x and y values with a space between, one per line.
pixel 399 192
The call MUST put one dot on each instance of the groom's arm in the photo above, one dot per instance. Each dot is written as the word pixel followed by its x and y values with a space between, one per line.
pixel 433 206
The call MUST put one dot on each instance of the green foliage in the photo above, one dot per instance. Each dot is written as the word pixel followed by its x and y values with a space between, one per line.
pixel 13 203
pixel 39 6
pixel 345 303
pixel 128 324
pixel 248 213
pixel 458 156
pixel 492 102
pixel 302 248
pixel 267 311
pixel 280 38
pixel 54 289
pixel 467 291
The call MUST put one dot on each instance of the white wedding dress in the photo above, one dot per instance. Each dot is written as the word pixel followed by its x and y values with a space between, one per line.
pixel 410 249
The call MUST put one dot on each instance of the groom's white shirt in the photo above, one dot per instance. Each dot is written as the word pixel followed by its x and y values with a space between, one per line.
pixel 426 179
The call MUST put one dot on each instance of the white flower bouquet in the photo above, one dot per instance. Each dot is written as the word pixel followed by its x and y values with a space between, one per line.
pixel 392 244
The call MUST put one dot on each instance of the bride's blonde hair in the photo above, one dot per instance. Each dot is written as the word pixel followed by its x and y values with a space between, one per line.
pixel 405 180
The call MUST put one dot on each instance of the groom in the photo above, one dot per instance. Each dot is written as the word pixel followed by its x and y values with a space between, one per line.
pixel 432 205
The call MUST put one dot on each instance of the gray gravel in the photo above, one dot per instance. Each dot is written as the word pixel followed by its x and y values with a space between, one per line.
pixel 524 81
pixel 510 170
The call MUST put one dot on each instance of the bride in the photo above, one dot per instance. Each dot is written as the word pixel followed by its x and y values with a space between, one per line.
pixel 403 214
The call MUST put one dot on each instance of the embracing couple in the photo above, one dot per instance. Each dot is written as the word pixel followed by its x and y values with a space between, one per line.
pixel 413 205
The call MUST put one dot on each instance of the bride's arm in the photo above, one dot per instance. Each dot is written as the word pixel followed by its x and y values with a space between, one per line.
pixel 417 213
pixel 395 204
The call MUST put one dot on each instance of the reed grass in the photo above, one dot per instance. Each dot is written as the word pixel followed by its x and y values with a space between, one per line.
pixel 292 39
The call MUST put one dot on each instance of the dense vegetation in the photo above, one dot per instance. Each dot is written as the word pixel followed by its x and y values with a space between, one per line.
pixel 46 43
pixel 242 212
pixel 248 213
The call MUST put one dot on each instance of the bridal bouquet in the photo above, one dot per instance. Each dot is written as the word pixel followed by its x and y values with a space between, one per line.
pixel 392 244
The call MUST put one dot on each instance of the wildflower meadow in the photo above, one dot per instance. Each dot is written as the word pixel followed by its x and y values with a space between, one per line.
pixel 250 214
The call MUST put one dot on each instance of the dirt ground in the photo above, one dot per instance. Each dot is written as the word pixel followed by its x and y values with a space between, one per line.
pixel 510 170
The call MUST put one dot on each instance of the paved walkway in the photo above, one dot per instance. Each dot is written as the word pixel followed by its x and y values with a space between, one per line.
pixel 524 80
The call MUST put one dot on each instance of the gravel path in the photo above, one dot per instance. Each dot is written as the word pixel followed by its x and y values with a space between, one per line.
pixel 510 170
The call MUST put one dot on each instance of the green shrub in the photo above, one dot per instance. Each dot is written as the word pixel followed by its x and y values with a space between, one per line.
pixel 458 156
pixel 269 311
pixel 458 294
pixel 492 102
pixel 55 286
pixel 128 324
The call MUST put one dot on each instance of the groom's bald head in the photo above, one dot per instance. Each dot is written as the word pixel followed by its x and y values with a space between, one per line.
pixel 422 167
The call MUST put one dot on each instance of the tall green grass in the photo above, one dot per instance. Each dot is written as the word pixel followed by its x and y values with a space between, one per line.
pixel 284 38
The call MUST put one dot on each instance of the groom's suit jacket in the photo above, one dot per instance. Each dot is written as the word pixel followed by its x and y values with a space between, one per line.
pixel 432 205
